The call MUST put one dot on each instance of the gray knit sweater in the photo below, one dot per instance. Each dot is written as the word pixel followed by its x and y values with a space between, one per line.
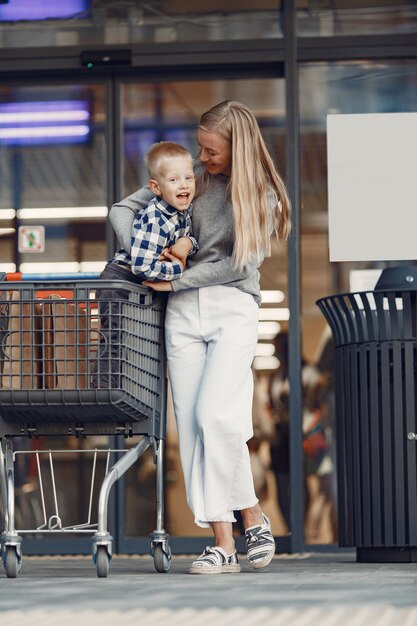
pixel 212 221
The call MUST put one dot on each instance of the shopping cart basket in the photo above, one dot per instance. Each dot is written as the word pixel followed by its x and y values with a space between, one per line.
pixel 81 357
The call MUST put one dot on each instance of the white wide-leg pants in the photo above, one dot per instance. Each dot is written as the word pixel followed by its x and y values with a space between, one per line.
pixel 211 337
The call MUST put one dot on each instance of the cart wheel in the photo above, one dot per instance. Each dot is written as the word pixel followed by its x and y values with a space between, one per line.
pixel 162 559
pixel 11 561
pixel 102 562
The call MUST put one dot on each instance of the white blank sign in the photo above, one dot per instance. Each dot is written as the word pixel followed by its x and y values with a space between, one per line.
pixel 372 185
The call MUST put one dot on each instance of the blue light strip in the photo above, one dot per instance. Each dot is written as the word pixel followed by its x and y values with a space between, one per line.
pixel 34 123
pixel 16 10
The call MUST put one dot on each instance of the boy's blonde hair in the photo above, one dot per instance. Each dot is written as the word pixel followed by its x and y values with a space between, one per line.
pixel 162 151
pixel 258 194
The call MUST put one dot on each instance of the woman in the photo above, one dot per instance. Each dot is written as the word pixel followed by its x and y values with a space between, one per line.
pixel 211 327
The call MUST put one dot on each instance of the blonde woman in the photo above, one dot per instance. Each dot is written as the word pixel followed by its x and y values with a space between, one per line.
pixel 211 327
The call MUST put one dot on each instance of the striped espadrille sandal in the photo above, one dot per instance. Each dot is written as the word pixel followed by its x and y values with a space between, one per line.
pixel 215 561
pixel 260 544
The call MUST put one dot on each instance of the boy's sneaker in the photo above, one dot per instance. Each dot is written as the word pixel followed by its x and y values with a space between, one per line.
pixel 215 561
pixel 260 544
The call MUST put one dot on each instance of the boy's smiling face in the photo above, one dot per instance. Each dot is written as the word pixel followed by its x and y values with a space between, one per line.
pixel 176 182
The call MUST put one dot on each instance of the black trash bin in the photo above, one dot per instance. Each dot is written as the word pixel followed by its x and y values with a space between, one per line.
pixel 375 336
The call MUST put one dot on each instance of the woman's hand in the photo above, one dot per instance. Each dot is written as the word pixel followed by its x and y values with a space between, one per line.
pixel 168 256
pixel 164 285
pixel 181 249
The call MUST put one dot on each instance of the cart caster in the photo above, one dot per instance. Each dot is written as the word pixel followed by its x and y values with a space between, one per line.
pixel 162 558
pixel 11 561
pixel 102 561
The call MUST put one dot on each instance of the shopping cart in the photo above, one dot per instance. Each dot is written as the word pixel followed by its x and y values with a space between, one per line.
pixel 80 357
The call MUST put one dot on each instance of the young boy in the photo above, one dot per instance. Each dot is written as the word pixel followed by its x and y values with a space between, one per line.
pixel 164 223
pixel 166 219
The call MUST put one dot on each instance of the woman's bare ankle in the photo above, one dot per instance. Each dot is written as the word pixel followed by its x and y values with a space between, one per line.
pixel 252 516
pixel 227 547
pixel 223 536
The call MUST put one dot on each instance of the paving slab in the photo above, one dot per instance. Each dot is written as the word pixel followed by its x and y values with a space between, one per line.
pixel 295 590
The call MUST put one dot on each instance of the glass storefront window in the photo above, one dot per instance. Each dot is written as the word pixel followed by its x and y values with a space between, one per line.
pixel 52 164
pixel 170 111
pixel 83 22
pixel 350 17
pixel 356 87
pixel 52 158
pixel 103 23
pixel 62 186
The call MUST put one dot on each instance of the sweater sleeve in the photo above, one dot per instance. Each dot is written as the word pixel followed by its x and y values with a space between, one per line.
pixel 214 273
pixel 194 243
pixel 123 213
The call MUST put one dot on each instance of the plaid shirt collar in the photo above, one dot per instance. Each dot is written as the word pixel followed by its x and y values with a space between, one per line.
pixel 165 207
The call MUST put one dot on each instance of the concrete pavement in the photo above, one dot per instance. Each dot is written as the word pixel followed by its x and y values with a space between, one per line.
pixel 295 590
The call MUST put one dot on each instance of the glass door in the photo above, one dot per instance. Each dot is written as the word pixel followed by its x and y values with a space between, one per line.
pixel 60 174
pixel 170 111
pixel 53 164
pixel 354 87
pixel 53 213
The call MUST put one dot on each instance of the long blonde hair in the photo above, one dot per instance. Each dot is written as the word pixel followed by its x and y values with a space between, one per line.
pixel 258 194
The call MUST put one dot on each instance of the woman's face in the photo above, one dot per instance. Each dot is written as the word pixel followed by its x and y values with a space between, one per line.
pixel 215 153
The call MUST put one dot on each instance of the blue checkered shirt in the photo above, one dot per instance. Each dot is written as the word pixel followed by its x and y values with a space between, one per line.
pixel 158 226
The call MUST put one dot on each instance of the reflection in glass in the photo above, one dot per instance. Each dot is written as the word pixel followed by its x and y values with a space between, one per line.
pixel 170 111
pixel 48 179
pixel 83 22
pixel 355 87
pixel 345 17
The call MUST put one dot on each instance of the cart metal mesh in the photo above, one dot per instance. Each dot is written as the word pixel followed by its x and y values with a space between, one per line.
pixel 81 355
